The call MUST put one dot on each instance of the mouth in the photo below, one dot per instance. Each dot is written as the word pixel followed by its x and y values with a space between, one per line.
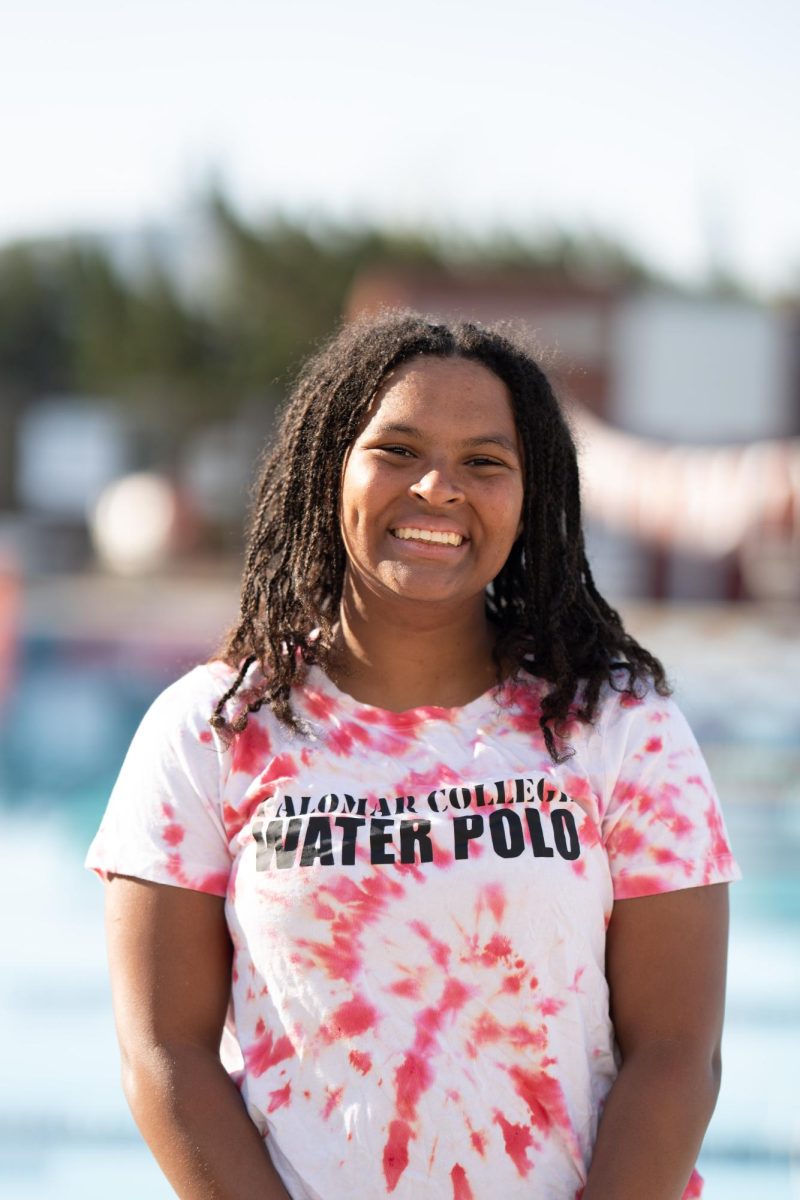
pixel 430 537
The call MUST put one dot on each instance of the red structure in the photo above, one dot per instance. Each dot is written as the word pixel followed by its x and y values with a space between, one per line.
pixel 732 510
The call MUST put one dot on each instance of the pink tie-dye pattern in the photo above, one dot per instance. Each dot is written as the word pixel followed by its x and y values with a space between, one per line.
pixel 545 1099
pixel 350 1019
pixel 330 963
pixel 279 1097
pixel 173 834
pixel 333 1098
pixel 494 897
pixel 517 1140
pixel 395 1153
pixel 215 883
pixel 267 1051
pixel 342 739
pixel 461 1188
pixel 415 1074
pixel 694 1188
pixel 250 748
pixel 361 1061
pixel 280 769
pixel 355 906
pixel 319 705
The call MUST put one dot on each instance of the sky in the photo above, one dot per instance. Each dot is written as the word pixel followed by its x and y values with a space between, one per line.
pixel 671 127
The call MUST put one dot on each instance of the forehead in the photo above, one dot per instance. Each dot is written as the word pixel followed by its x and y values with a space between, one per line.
pixel 444 389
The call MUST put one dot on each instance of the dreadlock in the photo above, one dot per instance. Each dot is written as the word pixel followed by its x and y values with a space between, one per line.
pixel 548 614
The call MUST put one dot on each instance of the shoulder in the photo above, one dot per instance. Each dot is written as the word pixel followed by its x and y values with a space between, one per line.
pixel 638 732
pixel 198 688
pixel 621 702
pixel 187 705
pixel 630 719
pixel 618 701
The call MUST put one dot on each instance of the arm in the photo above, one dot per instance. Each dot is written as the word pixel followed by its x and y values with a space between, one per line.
pixel 665 962
pixel 170 961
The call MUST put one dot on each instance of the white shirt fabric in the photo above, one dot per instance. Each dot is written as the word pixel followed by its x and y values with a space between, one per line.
pixel 418 904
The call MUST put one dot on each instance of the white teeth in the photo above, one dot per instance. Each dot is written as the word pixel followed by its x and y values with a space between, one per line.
pixel 428 535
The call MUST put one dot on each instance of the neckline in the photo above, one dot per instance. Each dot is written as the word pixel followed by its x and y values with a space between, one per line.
pixel 317 678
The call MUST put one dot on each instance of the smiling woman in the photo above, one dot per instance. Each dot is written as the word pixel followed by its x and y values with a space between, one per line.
pixel 431 505
pixel 427 840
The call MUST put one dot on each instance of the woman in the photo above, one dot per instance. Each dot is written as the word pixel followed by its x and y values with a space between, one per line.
pixel 429 821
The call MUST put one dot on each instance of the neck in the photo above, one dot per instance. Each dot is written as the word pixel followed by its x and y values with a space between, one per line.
pixel 397 655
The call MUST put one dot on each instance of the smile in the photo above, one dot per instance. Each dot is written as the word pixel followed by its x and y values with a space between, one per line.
pixel 409 534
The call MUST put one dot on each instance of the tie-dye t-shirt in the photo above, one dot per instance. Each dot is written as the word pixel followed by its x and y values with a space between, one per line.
pixel 418 904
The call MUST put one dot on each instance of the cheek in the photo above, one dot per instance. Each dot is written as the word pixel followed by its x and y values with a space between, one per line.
pixel 349 524
pixel 352 486
pixel 358 479
pixel 359 499
pixel 507 517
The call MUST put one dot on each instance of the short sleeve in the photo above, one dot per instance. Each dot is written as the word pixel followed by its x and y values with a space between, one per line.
pixel 662 824
pixel 163 822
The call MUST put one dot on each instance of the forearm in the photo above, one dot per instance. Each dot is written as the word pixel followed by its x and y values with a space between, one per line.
pixel 652 1126
pixel 191 1115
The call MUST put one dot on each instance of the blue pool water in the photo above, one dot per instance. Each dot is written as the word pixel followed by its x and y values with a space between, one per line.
pixel 64 1128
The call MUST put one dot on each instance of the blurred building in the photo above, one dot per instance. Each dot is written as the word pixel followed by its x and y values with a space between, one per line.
pixel 569 325
pixel 686 411
pixel 66 450
pixel 692 472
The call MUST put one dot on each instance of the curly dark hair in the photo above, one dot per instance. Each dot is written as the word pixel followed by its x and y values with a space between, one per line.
pixel 550 619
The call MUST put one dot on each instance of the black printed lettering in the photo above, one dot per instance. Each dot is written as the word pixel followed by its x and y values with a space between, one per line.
pixel 459 797
pixel 480 800
pixel 503 797
pixel 525 790
pixel 380 836
pixel 404 804
pixel 328 803
pixel 419 833
pixel 351 804
pixel 280 838
pixel 551 824
pixel 507 837
pixel 565 833
pixel 432 804
pixel 540 847
pixel 317 843
pixel 464 830
pixel 546 791
pixel 288 808
pixel 349 827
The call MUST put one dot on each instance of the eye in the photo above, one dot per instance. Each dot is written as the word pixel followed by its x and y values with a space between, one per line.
pixel 399 451
pixel 481 460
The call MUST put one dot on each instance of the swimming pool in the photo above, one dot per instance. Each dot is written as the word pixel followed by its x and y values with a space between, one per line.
pixel 64 1127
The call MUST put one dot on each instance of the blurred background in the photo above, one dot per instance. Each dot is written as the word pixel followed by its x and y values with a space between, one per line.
pixel 192 197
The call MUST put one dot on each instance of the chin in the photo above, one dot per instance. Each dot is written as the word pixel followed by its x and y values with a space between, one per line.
pixel 429 591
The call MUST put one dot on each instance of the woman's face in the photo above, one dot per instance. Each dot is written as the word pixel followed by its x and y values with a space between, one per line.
pixel 433 485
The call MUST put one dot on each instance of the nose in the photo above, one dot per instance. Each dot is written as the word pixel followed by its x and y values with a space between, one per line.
pixel 437 488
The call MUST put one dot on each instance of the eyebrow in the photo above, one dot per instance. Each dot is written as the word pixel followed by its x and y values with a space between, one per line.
pixel 494 439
